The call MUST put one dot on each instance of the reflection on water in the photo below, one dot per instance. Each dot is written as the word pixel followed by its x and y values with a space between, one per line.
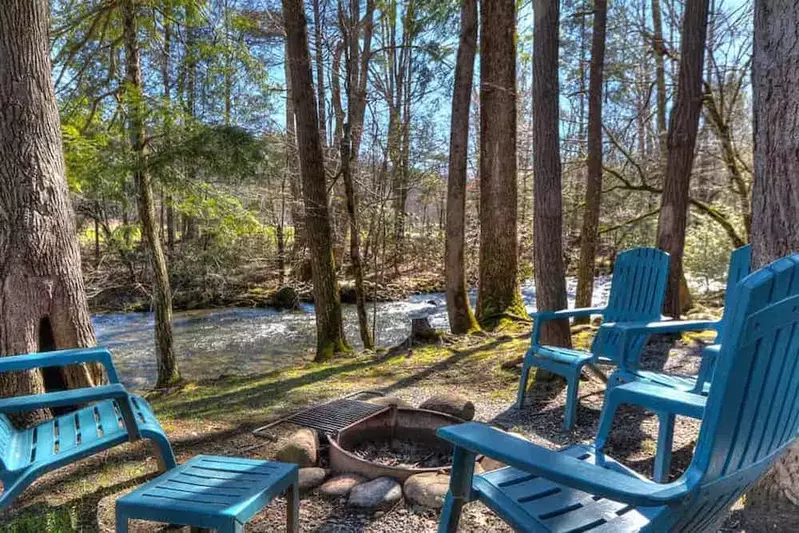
pixel 214 342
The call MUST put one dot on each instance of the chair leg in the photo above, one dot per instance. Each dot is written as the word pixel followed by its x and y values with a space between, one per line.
pixel 572 389
pixel 235 527
pixel 665 441
pixel 460 489
pixel 163 452
pixel 606 417
pixel 523 384
pixel 121 522
pixel 293 509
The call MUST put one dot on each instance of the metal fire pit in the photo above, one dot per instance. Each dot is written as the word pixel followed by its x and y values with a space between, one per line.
pixel 418 425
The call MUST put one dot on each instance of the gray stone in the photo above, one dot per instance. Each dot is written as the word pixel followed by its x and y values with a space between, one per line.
pixel 427 490
pixel 450 403
pixel 341 485
pixel 310 478
pixel 391 400
pixel 377 495
pixel 301 448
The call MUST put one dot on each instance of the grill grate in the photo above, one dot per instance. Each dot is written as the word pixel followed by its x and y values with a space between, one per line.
pixel 331 417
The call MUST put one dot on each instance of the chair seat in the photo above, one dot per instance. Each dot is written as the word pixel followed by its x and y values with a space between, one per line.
pixel 673 381
pixel 568 356
pixel 533 503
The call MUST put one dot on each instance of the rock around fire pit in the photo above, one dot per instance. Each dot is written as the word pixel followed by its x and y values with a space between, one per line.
pixel 377 459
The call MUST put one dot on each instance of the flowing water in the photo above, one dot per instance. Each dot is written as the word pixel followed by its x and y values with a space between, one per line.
pixel 214 342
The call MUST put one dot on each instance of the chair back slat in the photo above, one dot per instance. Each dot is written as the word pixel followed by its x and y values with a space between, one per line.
pixel 6 441
pixel 752 413
pixel 636 294
pixel 740 261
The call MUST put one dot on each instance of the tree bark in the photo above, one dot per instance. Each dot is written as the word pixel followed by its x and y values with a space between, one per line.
pixel 683 128
pixel 461 319
pixel 593 189
pixel 292 167
pixel 775 195
pixel 165 79
pixel 329 329
pixel 168 373
pixel 659 50
pixel 550 281
pixel 498 296
pixel 320 71
pixel 42 295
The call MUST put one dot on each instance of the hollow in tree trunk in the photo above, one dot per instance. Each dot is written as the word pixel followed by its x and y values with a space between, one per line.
pixel 329 328
pixel 461 319
pixel 168 373
pixel 43 299
pixel 498 297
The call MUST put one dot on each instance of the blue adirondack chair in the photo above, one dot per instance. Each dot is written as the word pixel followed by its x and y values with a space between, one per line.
pixel 751 418
pixel 109 417
pixel 636 295
pixel 639 389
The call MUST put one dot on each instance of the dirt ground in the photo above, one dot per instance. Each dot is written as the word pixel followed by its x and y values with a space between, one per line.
pixel 216 417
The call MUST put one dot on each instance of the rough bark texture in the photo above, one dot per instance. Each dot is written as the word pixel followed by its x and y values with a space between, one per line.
pixel 683 128
pixel 775 195
pixel 498 295
pixel 162 292
pixel 320 71
pixel 461 319
pixel 329 329
pixel 42 296
pixel 293 167
pixel 593 189
pixel 660 77
pixel 550 278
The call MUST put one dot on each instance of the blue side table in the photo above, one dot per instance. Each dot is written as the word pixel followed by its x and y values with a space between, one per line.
pixel 220 493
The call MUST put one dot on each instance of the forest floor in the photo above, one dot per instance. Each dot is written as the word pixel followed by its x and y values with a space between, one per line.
pixel 216 417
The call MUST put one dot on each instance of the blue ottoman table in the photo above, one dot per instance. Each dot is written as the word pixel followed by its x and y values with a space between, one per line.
pixel 220 493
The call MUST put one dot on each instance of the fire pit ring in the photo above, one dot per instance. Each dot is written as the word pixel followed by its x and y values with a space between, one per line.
pixel 417 425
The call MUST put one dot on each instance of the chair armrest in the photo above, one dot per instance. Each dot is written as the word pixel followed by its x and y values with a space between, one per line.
pixel 14 363
pixel 65 398
pixel 707 366
pixel 539 317
pixel 655 328
pixel 518 453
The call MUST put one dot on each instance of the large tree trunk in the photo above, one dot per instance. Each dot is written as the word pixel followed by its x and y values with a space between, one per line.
pixel 165 79
pixel 775 196
pixel 683 128
pixel 320 71
pixel 498 297
pixel 42 296
pixel 162 293
pixel 593 190
pixel 550 281
pixel 329 329
pixel 292 168
pixel 461 319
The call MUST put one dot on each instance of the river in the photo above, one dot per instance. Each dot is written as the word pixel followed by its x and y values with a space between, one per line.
pixel 214 342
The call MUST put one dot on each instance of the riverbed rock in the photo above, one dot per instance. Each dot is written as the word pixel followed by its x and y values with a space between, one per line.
pixel 391 400
pixel 427 490
pixel 450 403
pixel 285 298
pixel 341 485
pixel 380 494
pixel 301 448
pixel 310 478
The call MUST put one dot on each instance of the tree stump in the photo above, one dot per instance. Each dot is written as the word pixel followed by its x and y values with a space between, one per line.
pixel 421 333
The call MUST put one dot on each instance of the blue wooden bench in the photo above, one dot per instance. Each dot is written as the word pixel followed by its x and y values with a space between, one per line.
pixel 222 493
pixel 636 295
pixel 109 416
pixel 750 419
pixel 667 394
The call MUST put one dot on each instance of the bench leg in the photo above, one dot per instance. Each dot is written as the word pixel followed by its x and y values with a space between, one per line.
pixel 293 509
pixel 121 522
pixel 665 441
pixel 235 527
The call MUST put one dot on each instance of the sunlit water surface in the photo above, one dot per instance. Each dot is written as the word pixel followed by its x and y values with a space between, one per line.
pixel 214 342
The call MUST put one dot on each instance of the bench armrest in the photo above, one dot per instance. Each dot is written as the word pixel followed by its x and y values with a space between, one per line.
pixel 539 317
pixel 15 363
pixel 482 439
pixel 18 404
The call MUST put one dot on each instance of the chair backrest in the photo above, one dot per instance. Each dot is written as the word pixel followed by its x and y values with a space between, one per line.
pixel 636 294
pixel 7 432
pixel 752 413
pixel 740 267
